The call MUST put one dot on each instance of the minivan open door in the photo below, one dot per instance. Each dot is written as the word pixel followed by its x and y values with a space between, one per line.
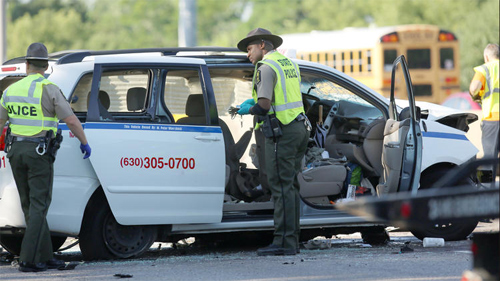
pixel 402 150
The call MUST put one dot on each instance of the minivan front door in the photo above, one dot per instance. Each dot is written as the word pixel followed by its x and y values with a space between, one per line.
pixel 402 150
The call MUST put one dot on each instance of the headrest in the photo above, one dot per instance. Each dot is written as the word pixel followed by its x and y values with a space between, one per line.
pixel 195 105
pixel 136 98
pixel 104 99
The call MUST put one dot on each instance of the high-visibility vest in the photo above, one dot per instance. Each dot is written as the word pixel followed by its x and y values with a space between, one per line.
pixel 489 97
pixel 287 104
pixel 23 102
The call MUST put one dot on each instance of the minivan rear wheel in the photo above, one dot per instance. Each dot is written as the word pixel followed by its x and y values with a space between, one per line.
pixel 12 242
pixel 102 237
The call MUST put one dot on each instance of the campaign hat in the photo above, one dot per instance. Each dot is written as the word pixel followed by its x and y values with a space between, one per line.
pixel 37 51
pixel 259 33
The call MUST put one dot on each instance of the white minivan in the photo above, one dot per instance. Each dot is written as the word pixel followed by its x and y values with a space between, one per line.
pixel 170 161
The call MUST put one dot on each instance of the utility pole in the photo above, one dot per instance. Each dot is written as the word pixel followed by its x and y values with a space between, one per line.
pixel 187 23
pixel 3 28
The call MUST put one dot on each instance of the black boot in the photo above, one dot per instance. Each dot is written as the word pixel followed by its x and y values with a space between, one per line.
pixel 273 250
pixel 32 267
pixel 54 263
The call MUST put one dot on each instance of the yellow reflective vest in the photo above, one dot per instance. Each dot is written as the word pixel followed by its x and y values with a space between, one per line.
pixel 490 95
pixel 23 102
pixel 287 102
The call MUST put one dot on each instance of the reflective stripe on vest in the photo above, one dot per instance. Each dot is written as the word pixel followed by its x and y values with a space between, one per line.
pixel 490 96
pixel 287 96
pixel 23 102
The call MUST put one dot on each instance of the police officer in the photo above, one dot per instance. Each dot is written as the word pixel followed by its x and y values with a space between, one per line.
pixel 277 101
pixel 485 87
pixel 33 106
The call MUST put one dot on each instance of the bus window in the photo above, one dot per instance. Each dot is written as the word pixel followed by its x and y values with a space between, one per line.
pixel 369 60
pixel 419 58
pixel 360 61
pixel 422 90
pixel 343 62
pixel 446 58
pixel 351 61
pixel 389 57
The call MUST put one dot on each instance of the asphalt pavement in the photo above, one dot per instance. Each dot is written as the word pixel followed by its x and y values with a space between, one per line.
pixel 342 257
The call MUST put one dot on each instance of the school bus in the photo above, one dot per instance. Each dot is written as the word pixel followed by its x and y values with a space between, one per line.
pixel 367 54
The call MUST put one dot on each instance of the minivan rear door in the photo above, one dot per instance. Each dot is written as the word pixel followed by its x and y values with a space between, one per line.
pixel 152 169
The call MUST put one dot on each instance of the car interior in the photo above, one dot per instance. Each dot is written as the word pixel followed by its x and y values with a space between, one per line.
pixel 350 127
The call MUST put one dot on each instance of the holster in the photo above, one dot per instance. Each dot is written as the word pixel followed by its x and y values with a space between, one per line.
pixel 8 141
pixel 54 143
pixel 271 126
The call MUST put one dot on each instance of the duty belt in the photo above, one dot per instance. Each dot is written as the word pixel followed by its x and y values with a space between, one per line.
pixel 42 143
pixel 30 139
pixel 300 117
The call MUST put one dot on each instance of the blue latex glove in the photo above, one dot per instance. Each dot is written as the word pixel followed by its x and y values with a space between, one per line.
pixel 251 102
pixel 244 108
pixel 85 149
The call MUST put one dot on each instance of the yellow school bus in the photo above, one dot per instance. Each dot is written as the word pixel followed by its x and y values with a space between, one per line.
pixel 366 54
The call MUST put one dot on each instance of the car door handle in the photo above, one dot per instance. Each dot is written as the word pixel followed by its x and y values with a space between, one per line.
pixel 207 138
pixel 392 145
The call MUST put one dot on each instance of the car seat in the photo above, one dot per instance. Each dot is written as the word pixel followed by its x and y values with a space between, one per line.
pixel 136 98
pixel 195 111
pixel 368 154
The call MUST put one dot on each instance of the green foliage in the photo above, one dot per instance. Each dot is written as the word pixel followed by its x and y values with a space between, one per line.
pixel 42 27
pixel 122 24
pixel 126 24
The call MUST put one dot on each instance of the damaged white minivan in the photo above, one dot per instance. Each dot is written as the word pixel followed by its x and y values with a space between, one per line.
pixel 170 161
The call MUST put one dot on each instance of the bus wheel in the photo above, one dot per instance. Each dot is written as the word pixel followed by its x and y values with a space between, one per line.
pixel 447 231
pixel 102 237
pixel 12 243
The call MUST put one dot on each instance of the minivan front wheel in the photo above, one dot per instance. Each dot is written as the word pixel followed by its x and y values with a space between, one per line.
pixel 448 231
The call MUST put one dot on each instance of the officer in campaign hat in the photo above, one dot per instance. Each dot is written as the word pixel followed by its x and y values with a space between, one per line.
pixel 277 103
pixel 33 106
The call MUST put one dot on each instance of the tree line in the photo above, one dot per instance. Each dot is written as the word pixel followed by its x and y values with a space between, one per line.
pixel 124 24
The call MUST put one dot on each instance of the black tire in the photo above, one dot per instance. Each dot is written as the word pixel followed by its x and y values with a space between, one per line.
pixel 57 242
pixel 447 231
pixel 12 242
pixel 375 236
pixel 102 237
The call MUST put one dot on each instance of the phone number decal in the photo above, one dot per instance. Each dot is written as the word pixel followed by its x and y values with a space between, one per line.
pixel 158 163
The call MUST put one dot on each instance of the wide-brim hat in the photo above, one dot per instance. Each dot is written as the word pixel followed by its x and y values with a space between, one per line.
pixel 37 51
pixel 259 33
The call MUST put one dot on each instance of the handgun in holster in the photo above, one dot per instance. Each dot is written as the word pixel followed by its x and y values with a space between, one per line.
pixel 271 127
pixel 54 143
pixel 8 141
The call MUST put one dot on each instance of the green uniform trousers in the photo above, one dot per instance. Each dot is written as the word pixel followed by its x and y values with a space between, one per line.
pixel 283 163
pixel 33 174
